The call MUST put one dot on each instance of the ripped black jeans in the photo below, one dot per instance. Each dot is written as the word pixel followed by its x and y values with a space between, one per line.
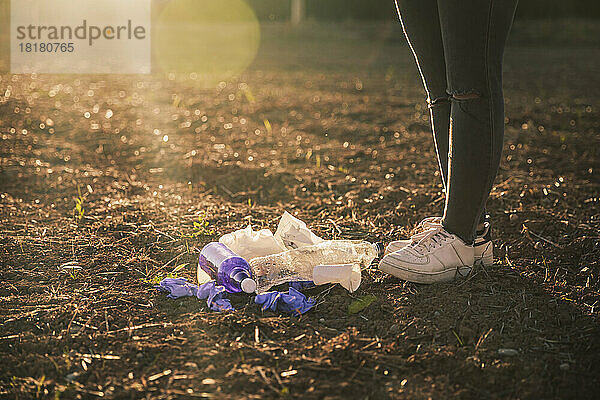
pixel 459 46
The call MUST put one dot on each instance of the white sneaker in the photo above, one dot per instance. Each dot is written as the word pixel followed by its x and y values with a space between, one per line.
pixel 434 255
pixel 483 246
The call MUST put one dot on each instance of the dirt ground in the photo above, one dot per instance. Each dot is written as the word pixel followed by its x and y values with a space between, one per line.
pixel 330 124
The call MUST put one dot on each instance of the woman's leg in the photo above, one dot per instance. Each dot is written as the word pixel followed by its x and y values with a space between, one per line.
pixel 421 25
pixel 474 33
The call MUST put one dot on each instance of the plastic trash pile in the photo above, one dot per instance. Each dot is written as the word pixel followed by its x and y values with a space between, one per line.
pixel 254 261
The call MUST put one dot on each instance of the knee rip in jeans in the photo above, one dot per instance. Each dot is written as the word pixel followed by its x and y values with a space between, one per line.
pixel 438 101
pixel 465 95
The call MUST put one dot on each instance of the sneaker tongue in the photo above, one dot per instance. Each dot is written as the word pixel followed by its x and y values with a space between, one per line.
pixel 426 240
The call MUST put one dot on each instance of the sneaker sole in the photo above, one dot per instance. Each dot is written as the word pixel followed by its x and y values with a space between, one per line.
pixel 422 277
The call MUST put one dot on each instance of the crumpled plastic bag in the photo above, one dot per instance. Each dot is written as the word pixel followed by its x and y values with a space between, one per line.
pixel 213 293
pixel 203 276
pixel 293 302
pixel 293 233
pixel 249 244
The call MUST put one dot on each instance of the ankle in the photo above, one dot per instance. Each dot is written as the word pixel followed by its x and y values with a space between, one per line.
pixel 467 241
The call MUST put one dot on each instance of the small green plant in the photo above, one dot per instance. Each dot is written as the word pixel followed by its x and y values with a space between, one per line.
pixel 39 385
pixel 79 210
pixel 173 274
pixel 73 273
pixel 72 268
pixel 460 342
pixel 201 227
pixel 268 126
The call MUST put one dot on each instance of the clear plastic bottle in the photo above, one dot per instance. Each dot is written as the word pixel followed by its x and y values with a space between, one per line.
pixel 227 268
pixel 299 264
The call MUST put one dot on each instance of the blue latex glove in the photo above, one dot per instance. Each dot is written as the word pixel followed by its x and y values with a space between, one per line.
pixel 299 285
pixel 213 293
pixel 293 302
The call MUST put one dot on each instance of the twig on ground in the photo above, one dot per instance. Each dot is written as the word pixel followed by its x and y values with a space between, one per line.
pixel 544 239
pixel 106 320
pixel 261 372
pixel 173 259
pixel 143 326
pixel 72 318
pixel 482 339
pixel 337 228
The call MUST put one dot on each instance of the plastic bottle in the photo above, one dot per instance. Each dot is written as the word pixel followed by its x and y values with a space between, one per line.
pixel 299 264
pixel 227 268
pixel 347 275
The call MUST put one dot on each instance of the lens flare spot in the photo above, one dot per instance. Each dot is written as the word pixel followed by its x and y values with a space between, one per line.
pixel 213 40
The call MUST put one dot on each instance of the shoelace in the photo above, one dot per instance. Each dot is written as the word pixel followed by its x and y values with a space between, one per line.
pixel 424 242
pixel 426 226
pixel 428 222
